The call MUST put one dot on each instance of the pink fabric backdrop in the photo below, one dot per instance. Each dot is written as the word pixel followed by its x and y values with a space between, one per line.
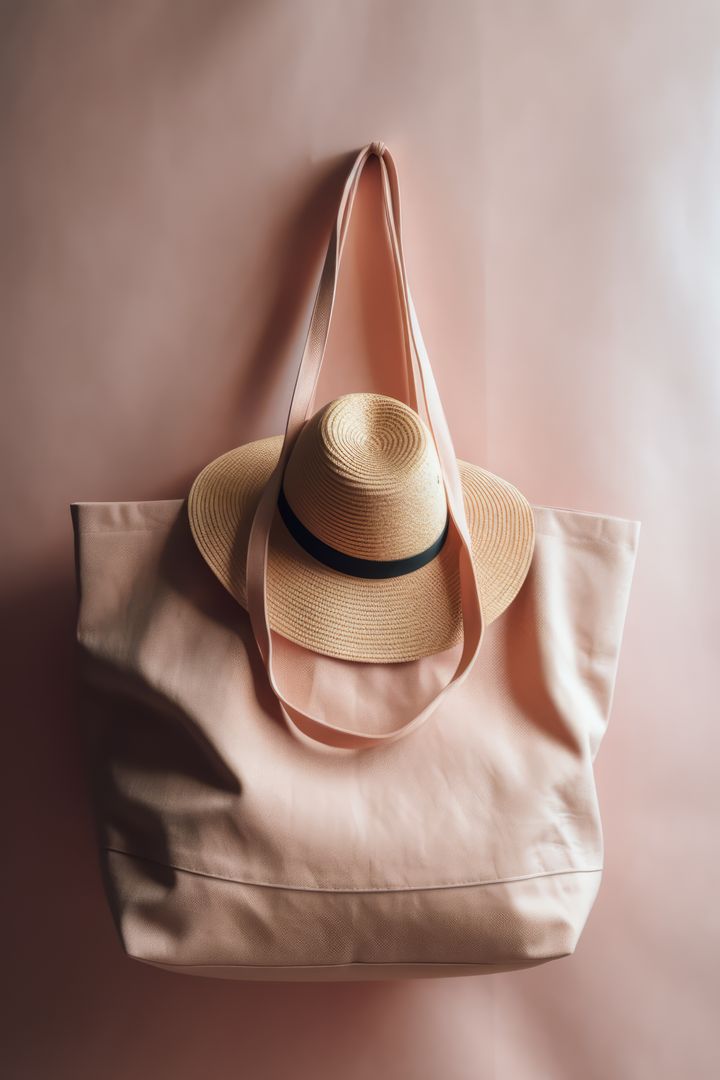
pixel 170 172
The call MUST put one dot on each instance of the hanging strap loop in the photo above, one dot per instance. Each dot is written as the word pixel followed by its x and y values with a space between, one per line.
pixel 421 390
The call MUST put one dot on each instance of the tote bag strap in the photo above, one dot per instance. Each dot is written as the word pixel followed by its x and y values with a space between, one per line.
pixel 413 392
pixel 422 390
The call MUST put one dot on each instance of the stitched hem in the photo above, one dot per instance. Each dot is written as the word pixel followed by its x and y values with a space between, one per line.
pixel 524 963
pixel 371 889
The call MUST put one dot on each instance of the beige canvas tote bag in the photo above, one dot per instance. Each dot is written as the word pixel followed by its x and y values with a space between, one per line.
pixel 265 811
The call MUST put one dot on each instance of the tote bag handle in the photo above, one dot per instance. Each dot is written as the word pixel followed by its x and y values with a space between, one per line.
pixel 421 389
pixel 413 390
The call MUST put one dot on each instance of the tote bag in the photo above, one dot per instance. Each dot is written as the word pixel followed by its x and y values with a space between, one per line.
pixel 241 837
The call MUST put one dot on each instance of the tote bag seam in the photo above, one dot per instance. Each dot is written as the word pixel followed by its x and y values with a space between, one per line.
pixel 369 889
pixel 533 962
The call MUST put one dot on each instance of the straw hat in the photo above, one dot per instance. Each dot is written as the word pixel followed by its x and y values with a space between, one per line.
pixel 361 564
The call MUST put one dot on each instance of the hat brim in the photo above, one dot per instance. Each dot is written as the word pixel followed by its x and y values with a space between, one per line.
pixel 379 620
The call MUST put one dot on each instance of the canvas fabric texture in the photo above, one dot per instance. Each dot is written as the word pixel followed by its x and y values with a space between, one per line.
pixel 233 847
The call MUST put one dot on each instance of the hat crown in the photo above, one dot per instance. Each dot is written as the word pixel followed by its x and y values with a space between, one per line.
pixel 365 478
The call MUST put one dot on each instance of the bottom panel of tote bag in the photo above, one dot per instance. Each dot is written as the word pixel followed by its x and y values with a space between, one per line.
pixel 195 924
pixel 232 849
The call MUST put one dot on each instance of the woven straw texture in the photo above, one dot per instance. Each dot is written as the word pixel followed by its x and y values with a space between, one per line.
pixel 364 477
